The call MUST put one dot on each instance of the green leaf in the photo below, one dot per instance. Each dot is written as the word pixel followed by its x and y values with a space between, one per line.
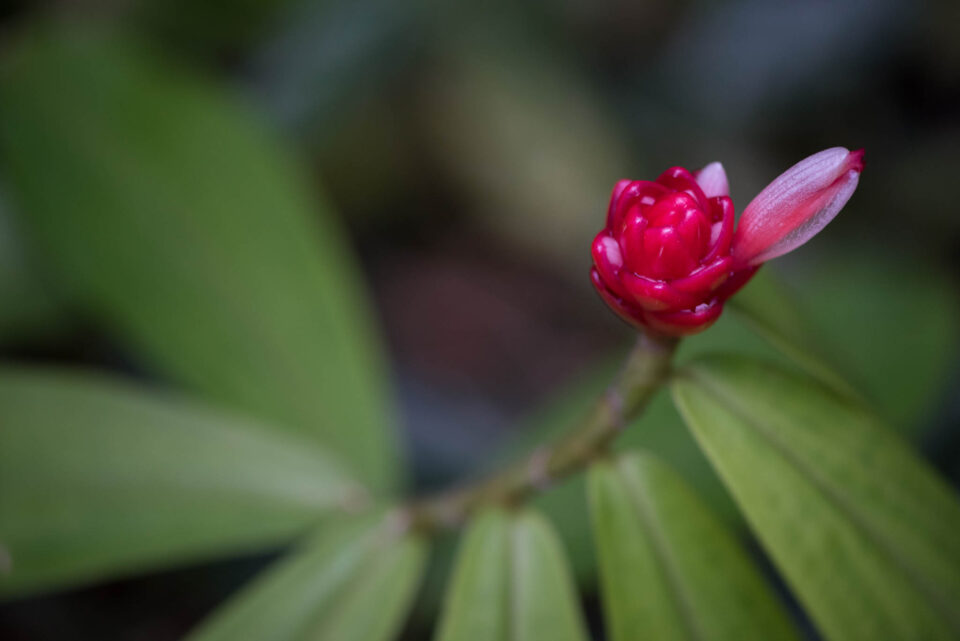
pixel 511 583
pixel 30 310
pixel 353 582
pixel 891 320
pixel 905 375
pixel 208 30
pixel 166 211
pixel 768 309
pixel 863 531
pixel 660 429
pixel 99 479
pixel 669 569
pixel 844 306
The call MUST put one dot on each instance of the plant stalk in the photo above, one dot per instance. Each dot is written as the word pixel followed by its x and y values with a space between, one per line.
pixel 643 373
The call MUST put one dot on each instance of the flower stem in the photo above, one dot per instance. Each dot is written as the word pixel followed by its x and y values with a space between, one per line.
pixel 644 371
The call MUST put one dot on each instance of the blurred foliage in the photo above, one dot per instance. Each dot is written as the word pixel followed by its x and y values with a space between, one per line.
pixel 209 28
pixel 37 312
pixel 152 223
pixel 656 538
pixel 352 582
pixel 882 375
pixel 511 583
pixel 194 237
pixel 899 343
pixel 99 479
pixel 808 467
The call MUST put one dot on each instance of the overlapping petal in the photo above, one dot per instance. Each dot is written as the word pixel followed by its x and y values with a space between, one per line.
pixel 669 257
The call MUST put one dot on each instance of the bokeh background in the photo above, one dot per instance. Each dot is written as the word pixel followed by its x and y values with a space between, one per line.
pixel 469 150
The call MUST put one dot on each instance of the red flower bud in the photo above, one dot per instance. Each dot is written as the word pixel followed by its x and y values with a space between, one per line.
pixel 669 258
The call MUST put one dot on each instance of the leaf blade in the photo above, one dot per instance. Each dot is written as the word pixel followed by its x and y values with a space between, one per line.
pixel 193 234
pixel 545 600
pixel 479 569
pixel 510 583
pixel 767 308
pixel 858 300
pixel 863 531
pixel 669 568
pixel 334 587
pixel 99 478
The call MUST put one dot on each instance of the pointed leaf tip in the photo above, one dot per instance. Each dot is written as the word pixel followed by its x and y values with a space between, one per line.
pixel 796 205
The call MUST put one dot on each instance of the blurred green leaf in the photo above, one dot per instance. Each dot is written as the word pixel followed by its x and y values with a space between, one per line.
pixel 660 429
pixel 890 319
pixel 767 308
pixel 769 323
pixel 669 569
pixel 863 531
pixel 354 582
pixel 29 308
pixel 168 212
pixel 511 583
pixel 210 27
pixel 99 479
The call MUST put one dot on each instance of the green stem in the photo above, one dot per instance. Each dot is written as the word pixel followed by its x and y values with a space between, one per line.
pixel 642 374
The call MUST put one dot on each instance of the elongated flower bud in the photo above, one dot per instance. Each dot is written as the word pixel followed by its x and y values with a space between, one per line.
pixel 669 258
pixel 797 205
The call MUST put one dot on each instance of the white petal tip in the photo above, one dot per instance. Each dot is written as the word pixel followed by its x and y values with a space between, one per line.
pixel 713 180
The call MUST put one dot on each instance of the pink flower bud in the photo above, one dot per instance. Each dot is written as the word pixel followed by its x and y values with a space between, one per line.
pixel 668 257
pixel 797 205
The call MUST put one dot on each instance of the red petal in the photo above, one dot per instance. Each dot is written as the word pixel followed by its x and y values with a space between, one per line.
pixel 607 260
pixel 679 179
pixel 631 236
pixel 635 193
pixel 721 233
pixel 617 190
pixel 705 280
pixel 622 310
pixel 686 322
pixel 655 295
pixel 666 255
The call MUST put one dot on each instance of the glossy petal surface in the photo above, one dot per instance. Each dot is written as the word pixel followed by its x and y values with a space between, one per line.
pixel 663 254
pixel 669 257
